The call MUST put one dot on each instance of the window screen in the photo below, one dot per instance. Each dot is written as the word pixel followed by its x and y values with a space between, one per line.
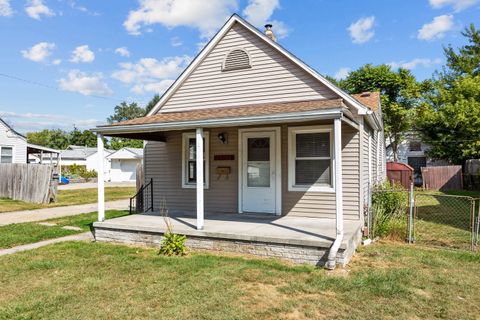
pixel 312 159
pixel 6 154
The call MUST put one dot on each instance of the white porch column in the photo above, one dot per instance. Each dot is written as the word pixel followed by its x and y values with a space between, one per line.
pixel 332 255
pixel 101 182
pixel 199 174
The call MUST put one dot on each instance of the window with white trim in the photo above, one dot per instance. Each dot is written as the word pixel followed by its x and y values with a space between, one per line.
pixel 189 160
pixel 311 159
pixel 6 154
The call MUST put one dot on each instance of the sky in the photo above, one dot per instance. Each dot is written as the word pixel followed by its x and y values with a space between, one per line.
pixel 66 63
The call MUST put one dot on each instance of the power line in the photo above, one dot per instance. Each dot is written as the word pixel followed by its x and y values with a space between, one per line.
pixel 36 83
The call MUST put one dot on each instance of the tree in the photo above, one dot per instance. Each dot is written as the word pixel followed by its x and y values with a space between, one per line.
pixel 449 121
pixel 84 138
pixel 152 103
pixel 400 93
pixel 123 112
pixel 56 139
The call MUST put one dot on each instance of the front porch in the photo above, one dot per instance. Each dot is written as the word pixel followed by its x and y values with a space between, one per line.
pixel 295 239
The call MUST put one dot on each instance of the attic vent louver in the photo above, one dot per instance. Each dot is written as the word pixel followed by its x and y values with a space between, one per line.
pixel 236 59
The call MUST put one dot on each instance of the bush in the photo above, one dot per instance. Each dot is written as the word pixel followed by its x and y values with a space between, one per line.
pixel 78 171
pixel 389 208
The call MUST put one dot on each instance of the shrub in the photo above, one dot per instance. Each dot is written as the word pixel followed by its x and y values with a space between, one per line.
pixel 389 205
pixel 78 171
pixel 172 244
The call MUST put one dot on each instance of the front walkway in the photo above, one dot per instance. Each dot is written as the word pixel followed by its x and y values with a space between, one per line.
pixel 57 212
pixel 31 246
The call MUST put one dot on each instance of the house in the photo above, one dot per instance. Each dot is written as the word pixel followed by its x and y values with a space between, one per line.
pixel 13 145
pixel 252 146
pixel 123 164
pixel 15 149
pixel 413 151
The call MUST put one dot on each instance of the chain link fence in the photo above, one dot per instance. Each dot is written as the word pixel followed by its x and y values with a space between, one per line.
pixel 424 218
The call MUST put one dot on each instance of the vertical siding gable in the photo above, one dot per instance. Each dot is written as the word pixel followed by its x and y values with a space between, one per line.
pixel 271 78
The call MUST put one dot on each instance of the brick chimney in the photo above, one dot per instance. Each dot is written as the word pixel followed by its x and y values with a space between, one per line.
pixel 269 32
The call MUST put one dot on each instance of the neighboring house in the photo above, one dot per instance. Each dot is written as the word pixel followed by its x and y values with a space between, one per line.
pixel 13 145
pixel 85 156
pixel 250 128
pixel 413 151
pixel 123 164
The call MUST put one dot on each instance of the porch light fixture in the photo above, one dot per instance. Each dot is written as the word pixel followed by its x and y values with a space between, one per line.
pixel 223 137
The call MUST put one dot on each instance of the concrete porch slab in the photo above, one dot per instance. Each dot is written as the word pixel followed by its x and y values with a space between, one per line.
pixel 285 235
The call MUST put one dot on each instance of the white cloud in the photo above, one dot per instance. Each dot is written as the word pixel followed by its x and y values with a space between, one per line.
pixel 150 74
pixel 457 5
pixel 206 16
pixel 156 87
pixel 5 8
pixel 258 13
pixel 82 54
pixel 56 62
pixel 36 8
pixel 362 30
pixel 412 64
pixel 85 84
pixel 123 51
pixel 342 73
pixel 39 52
pixel 176 42
pixel 436 29
pixel 25 122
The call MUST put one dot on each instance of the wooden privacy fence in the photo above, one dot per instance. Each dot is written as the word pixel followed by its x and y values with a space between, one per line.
pixel 27 182
pixel 442 178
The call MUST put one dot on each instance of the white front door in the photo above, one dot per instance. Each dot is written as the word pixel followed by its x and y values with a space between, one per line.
pixel 259 169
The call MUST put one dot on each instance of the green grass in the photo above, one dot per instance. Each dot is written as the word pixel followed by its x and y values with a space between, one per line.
pixel 69 197
pixel 79 280
pixel 22 233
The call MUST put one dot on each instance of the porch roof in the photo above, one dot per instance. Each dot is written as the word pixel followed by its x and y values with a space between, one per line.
pixel 228 116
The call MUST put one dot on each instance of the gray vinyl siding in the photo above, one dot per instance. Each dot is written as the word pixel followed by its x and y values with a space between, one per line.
pixel 364 162
pixel 163 163
pixel 322 204
pixel 272 78
pixel 11 139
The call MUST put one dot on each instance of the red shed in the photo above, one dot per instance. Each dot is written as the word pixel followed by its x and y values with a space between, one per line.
pixel 400 173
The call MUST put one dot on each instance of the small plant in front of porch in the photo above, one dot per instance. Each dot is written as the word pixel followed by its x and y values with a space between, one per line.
pixel 172 244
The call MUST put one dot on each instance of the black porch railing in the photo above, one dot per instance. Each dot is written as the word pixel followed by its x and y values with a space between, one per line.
pixel 143 200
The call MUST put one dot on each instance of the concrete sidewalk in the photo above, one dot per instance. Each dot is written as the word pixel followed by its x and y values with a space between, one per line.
pixel 30 246
pixel 93 185
pixel 57 212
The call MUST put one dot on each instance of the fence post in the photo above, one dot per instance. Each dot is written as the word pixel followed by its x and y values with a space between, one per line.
pixel 410 216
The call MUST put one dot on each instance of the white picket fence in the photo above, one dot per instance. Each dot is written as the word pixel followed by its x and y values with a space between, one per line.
pixel 27 182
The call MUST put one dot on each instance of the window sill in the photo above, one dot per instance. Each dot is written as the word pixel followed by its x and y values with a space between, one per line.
pixel 193 186
pixel 311 189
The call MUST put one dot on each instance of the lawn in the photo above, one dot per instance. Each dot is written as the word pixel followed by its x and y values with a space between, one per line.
pixel 22 233
pixel 69 197
pixel 104 281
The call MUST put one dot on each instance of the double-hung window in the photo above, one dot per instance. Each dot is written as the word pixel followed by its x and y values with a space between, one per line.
pixel 6 154
pixel 189 160
pixel 310 159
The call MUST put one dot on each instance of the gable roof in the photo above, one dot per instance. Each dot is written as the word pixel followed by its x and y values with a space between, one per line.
pixel 369 99
pixel 11 129
pixel 220 34
pixel 127 153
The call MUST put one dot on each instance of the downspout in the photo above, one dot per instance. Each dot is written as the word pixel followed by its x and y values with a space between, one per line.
pixel 332 255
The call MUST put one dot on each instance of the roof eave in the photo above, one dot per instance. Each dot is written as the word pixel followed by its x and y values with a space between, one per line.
pixel 223 122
